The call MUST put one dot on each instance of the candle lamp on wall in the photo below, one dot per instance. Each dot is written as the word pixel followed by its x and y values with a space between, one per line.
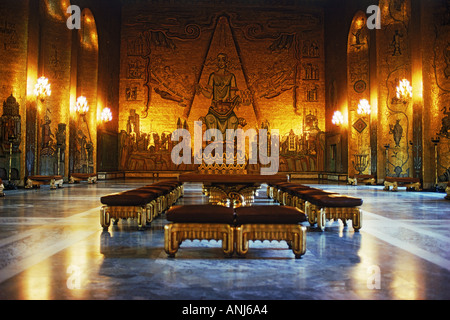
pixel 106 115
pixel 82 108
pixel 42 90
pixel 338 118
pixel 361 160
pixel 364 107
pixel 404 91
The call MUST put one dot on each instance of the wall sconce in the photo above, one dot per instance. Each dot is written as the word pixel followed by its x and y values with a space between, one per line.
pixel 82 106
pixel 404 91
pixel 42 89
pixel 338 118
pixel 106 115
pixel 364 107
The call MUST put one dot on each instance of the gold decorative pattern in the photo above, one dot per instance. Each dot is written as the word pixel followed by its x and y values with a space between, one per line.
pixel 175 233
pixel 143 215
pixel 294 235
pixel 319 215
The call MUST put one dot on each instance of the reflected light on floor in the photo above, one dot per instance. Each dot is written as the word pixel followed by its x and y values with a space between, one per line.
pixel 404 282
pixel 37 282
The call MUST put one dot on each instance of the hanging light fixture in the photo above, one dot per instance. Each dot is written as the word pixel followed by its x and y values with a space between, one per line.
pixel 42 89
pixel 404 91
pixel 338 118
pixel 106 115
pixel 82 106
pixel 364 107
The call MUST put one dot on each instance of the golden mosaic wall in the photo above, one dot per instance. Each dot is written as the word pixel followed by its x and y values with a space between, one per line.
pixel 37 42
pixel 13 53
pixel 169 53
pixel 394 65
pixel 358 79
pixel 436 88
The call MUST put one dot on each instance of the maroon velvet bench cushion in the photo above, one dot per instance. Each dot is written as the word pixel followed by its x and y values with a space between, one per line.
pixel 306 194
pixel 167 183
pixel 200 214
pixel 296 188
pixel 154 187
pixel 132 198
pixel 269 214
pixel 335 201
pixel 157 191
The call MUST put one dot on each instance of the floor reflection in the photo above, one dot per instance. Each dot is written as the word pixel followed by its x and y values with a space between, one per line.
pixel 400 252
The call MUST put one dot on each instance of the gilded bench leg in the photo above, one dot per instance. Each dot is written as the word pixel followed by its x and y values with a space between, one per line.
pixel 415 186
pixel 357 219
pixel 29 184
pixel 447 190
pixel 311 212
pixel 321 218
pixel 344 214
pixel 175 233
pixel 105 219
pixel 294 235
pixel 92 180
pixel 114 213
pixel 388 184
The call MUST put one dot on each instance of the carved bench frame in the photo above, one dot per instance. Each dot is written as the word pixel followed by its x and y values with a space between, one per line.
pixel 319 215
pixel 412 184
pixel 91 179
pixel 54 183
pixel 176 233
pixel 293 234
pixel 367 179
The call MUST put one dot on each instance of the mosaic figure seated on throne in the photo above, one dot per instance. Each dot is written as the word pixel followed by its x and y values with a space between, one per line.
pixel 222 89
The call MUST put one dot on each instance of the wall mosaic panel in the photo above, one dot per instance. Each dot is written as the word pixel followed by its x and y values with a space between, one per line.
pixel 230 67
pixel 358 80
pixel 394 64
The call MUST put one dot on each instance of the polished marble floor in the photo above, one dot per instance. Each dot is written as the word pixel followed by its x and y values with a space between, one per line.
pixel 52 247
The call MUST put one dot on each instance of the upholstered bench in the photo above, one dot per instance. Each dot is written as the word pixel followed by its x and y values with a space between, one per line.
pixel 395 182
pixel 289 194
pixel 178 188
pixel 322 207
pixel 279 190
pixel 280 223
pixel 2 187
pixel 302 196
pixel 54 181
pixel 77 177
pixel 161 202
pixel 135 204
pixel 169 194
pixel 364 178
pixel 199 222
